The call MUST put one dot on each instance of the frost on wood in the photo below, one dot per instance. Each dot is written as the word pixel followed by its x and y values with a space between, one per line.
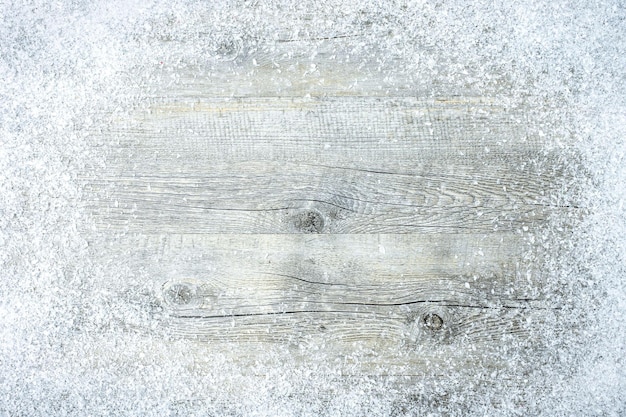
pixel 72 344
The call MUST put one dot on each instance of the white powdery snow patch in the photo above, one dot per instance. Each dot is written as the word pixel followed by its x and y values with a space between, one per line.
pixel 65 64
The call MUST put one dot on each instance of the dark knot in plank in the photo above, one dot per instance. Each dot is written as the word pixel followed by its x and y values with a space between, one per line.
pixel 432 321
pixel 309 221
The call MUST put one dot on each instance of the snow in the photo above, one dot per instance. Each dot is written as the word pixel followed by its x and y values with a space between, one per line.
pixel 63 64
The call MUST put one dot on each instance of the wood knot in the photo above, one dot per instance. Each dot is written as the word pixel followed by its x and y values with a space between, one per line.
pixel 229 49
pixel 432 321
pixel 179 294
pixel 309 221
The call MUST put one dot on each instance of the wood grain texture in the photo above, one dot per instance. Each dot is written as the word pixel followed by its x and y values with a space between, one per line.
pixel 271 197
pixel 351 165
pixel 285 212
pixel 358 303
pixel 324 66
pixel 231 274
pixel 387 342
pixel 328 130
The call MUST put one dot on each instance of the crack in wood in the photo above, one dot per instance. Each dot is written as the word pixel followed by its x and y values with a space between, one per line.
pixel 301 279
pixel 437 303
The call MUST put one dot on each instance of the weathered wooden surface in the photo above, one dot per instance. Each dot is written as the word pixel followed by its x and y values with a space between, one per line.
pixel 363 165
pixel 275 197
pixel 329 226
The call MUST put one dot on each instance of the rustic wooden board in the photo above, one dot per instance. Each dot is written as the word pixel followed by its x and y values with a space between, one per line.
pixel 327 130
pixel 273 197
pixel 238 274
pixel 341 294
pixel 362 304
pixel 336 225
pixel 326 66
pixel 349 165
